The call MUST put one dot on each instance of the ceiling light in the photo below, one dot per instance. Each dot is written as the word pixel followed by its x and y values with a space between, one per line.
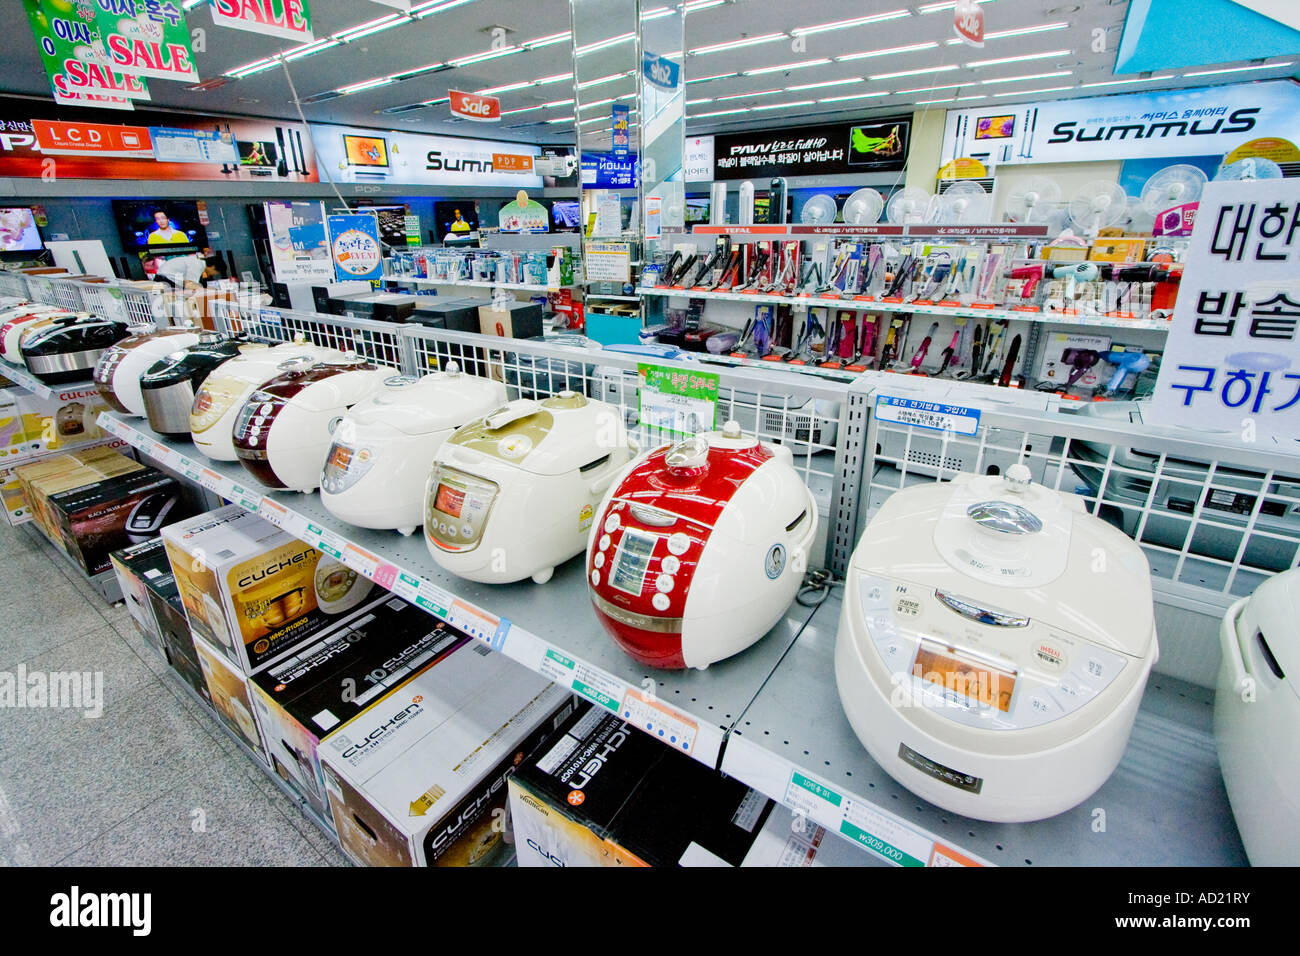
pixel 737 44
pixel 966 99
pixel 715 76
pixel 494 90
pixel 594 104
pixel 191 4
pixel 951 99
pixel 562 119
pixel 604 79
pixel 940 7
pixel 695 5
pixel 248 69
pixel 522 109
pixel 421 71
pixel 1240 69
pixel 1027 76
pixel 1136 79
pixel 658 13
pixel 1019 59
pixel 1050 89
pixel 548 40
pixel 787 66
pixel 745 96
pixel 557 103
pixel 373 26
pixel 930 45
pixel 309 48
pixel 855 22
pixel 743 109
pixel 778 106
pixel 698 102
pixel 855 96
pixel 813 86
pixel 927 69
pixel 930 89
pixel 603 44
pixel 554 78
pixel 485 55
pixel 594 119
pixel 364 85
pixel 1018 32
pixel 422 10
pixel 436 101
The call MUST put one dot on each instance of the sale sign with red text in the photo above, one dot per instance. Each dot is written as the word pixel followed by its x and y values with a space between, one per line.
pixel 71 49
pixel 485 109
pixel 289 19
pixel 147 38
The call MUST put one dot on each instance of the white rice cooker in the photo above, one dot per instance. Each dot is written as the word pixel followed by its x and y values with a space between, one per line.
pixel 1256 713
pixel 699 549
pixel 119 369
pixel 513 494
pixel 284 429
pixel 376 470
pixel 223 393
pixel 18 322
pixel 338 587
pixel 994 645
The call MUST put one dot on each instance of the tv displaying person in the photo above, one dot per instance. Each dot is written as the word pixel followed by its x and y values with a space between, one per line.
pixel 164 232
pixel 459 224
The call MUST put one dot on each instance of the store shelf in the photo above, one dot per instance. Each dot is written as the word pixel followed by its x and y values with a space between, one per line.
pixel 474 284
pixel 20 376
pixel 874 304
pixel 1165 805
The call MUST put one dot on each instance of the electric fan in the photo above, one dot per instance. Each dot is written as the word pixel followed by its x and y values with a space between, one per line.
pixel 1252 167
pixel 1172 186
pixel 1033 199
pixel 910 204
pixel 818 211
pixel 965 203
pixel 864 207
pixel 1099 205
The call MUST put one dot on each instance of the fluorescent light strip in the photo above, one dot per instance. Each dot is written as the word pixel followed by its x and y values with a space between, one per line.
pixel 743 109
pixel 556 103
pixel 930 89
pixel 951 99
pixel 1019 59
pixel 485 56
pixel 737 44
pixel 967 99
pixel 696 5
pixel 562 119
pixel 715 76
pixel 420 71
pixel 604 44
pixel 855 96
pixel 923 70
pixel 940 7
pixel 1018 32
pixel 1136 79
pixel 698 102
pixel 1049 89
pixel 436 101
pixel 494 90
pixel 248 69
pixel 1240 69
pixel 1027 76
pixel 855 22
pixel 911 48
pixel 309 49
pixel 366 85
pixel 595 103
pixel 813 86
pixel 787 66
pixel 658 13
pixel 554 78
pixel 745 96
pixel 604 79
pixel 422 10
pixel 547 40
pixel 373 26
pixel 779 106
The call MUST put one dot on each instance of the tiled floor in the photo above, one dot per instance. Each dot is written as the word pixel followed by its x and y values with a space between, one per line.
pixel 153 780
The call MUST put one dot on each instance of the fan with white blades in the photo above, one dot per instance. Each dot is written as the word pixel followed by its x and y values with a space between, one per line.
pixel 965 202
pixel 1172 186
pixel 1033 199
pixel 1252 167
pixel 818 211
pixel 864 207
pixel 1137 218
pixel 911 204
pixel 1099 205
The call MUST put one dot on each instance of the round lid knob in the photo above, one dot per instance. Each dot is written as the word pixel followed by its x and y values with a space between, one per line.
pixel 688 454
pixel 451 368
pixel 1018 478
pixel 731 429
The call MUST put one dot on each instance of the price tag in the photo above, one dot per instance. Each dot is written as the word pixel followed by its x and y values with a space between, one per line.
pixel 406 585
pixel 657 719
pixel 432 599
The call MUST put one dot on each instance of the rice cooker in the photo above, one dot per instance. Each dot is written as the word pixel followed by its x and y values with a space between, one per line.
pixel 119 369
pixel 1256 710
pixel 168 386
pixel 68 348
pixel 18 323
pixel 376 470
pixel 223 393
pixel 513 494
pixel 994 644
pixel 285 428
pixel 699 549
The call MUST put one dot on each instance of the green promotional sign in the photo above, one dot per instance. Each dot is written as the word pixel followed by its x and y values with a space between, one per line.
pixel 677 401
pixel 67 36
pixel 147 38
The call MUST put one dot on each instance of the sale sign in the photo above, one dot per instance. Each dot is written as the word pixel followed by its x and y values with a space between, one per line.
pixel 92 139
pixel 147 38
pixel 968 23
pixel 485 109
pixel 72 52
pixel 289 19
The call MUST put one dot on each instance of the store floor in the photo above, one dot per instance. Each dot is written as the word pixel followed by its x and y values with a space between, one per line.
pixel 152 780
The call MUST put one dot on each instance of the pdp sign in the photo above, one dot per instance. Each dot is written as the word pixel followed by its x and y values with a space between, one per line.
pixel 485 109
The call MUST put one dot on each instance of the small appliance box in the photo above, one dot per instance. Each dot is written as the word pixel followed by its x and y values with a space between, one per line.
pixel 253 590
pixel 178 642
pixel 601 793
pixel 66 420
pixel 1056 364
pixel 134 566
pixel 459 315
pixel 511 320
pixel 420 779
pixel 228 690
pixel 319 690
pixel 71 470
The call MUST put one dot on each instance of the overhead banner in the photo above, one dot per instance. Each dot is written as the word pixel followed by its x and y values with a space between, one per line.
pixel 619 130
pixel 147 38
pixel 355 248
pixel 72 52
pixel 879 146
pixel 697 166
pixel 356 155
pixel 300 248
pixel 471 106
pixel 1193 122
pixel 289 19
pixel 1230 360
pixel 92 139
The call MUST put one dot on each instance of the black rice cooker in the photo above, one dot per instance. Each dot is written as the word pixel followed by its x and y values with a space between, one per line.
pixel 67 349
pixel 169 385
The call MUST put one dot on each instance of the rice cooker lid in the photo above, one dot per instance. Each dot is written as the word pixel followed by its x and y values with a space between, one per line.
pixel 555 436
pixel 78 332
pixel 194 363
pixel 998 548
pixel 1274 611
pixel 294 381
pixel 436 402
pixel 262 364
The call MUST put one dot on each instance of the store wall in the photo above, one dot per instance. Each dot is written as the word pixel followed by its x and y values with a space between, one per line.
pixel 924 155
pixel 1071 177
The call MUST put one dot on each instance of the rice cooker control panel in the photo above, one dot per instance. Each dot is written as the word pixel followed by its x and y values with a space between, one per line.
pixel 345 465
pixel 644 559
pixel 981 666
pixel 457 508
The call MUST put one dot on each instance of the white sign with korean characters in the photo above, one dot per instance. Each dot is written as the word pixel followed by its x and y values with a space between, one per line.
pixel 1231 361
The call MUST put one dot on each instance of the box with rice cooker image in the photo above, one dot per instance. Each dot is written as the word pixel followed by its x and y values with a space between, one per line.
pixel 178 642
pixel 254 591
pixel 318 690
pixel 228 690
pixel 66 420
pixel 601 793
pixel 421 780
pixel 134 566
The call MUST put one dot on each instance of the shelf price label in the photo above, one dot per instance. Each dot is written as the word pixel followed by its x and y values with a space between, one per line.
pixel 406 585
pixel 582 679
pixel 479 624
pixel 659 720
pixel 432 599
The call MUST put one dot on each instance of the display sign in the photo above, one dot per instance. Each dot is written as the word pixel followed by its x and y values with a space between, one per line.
pixel 620 136
pixel 355 248
pixel 880 146
pixel 1176 221
pixel 92 139
pixel 675 400
pixel 605 171
pixel 511 163
pixel 147 38
pixel 1268 147
pixel 968 23
pixel 963 167
pixel 1230 360
pixel 289 19
pixel 659 71
pixel 524 215
pixel 937 416
pixel 698 164
pixel 471 106
pixel 607 262
pixel 411 230
pixel 421 159
pixel 1190 122
pixel 300 248
pixel 72 52
pixel 172 145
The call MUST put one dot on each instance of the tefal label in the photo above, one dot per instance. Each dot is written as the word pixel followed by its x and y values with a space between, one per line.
pixel 474 107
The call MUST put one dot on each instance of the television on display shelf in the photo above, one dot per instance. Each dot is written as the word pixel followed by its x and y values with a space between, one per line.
pixel 456 220
pixel 161 225
pixel 566 214
pixel 697 212
pixel 255 155
pixel 18 231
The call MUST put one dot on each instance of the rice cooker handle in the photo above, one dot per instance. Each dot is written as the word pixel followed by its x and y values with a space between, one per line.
pixel 1232 644
pixel 799 550
pixel 511 413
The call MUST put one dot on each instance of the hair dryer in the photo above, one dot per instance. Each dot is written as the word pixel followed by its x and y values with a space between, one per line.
pixel 1125 362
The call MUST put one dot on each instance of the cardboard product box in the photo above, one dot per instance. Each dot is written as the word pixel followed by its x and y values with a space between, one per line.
pixel 254 591
pixel 133 567
pixel 380 306
pixel 228 690
pixel 178 642
pixel 13 500
pixel 1055 368
pixel 512 320
pixel 421 779
pixel 601 793
pixel 320 689
pixel 459 315
pixel 68 419
pixel 69 470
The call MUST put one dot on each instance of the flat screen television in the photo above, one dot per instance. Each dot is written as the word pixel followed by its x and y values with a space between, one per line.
pixel 697 212
pixel 257 154
pixel 18 232
pixel 566 214
pixel 369 151
pixel 161 225
pixel 456 219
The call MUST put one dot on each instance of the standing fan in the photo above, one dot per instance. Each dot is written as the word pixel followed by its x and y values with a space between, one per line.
pixel 864 207
pixel 1172 186
pixel 1033 199
pixel 910 204
pixel 1252 167
pixel 1099 205
pixel 818 211
pixel 1136 217
pixel 965 203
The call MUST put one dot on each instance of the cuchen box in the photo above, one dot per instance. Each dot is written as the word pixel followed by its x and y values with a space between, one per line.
pixel 228 689
pixel 134 566
pixel 178 642
pixel 512 320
